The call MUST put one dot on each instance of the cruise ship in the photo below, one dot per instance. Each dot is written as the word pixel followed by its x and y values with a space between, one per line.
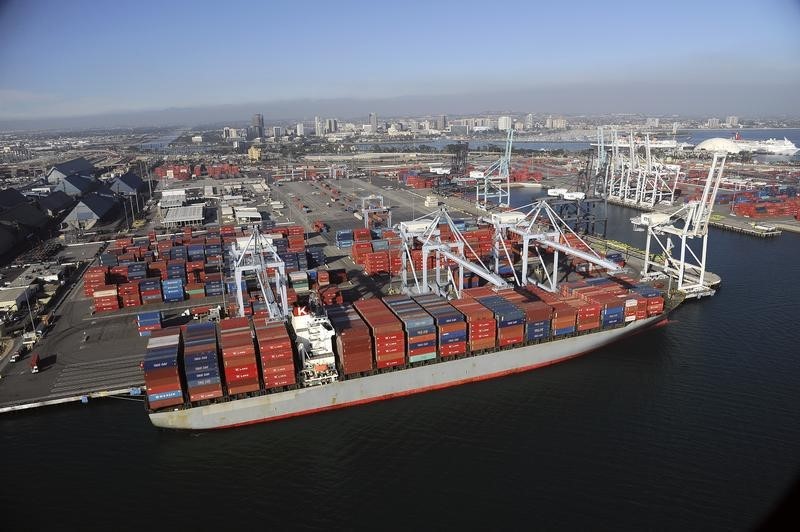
pixel 770 146
pixel 656 144
pixel 737 145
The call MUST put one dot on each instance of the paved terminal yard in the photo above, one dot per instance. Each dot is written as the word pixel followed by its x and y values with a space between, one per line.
pixel 83 355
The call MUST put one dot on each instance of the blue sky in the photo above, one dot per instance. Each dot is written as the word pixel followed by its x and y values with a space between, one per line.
pixel 72 58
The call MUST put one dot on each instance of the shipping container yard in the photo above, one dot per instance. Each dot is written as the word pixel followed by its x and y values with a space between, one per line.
pixel 201 318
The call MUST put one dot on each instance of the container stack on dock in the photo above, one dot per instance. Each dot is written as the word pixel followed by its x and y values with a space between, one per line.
pixel 316 256
pixel 150 291
pixel 161 378
pixel 330 295
pixel 96 276
pixel 147 322
pixel 276 353
pixel 238 356
pixel 451 337
pixel 344 239
pixel 388 339
pixel 106 298
pixel 353 340
pixel 419 327
pixel 129 294
pixel 299 281
pixel 201 362
pixel 173 289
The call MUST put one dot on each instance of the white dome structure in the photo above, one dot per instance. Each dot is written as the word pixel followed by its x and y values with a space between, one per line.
pixel 718 144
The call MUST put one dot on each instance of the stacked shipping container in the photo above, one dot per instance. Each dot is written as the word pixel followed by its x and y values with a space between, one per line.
pixel 147 322
pixel 481 325
pixel 388 340
pixel 161 377
pixel 201 362
pixel 276 353
pixel 353 339
pixel 238 356
pixel 451 329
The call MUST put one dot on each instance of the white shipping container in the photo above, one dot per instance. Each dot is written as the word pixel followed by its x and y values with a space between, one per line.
pixel 105 293
pixel 161 341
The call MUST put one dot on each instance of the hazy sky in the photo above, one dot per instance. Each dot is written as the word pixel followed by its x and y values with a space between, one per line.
pixel 76 57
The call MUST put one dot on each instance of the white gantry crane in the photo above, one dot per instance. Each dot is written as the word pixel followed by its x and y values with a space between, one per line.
pixel 689 224
pixel 373 204
pixel 313 331
pixel 637 179
pixel 494 183
pixel 425 230
pixel 257 254
pixel 538 227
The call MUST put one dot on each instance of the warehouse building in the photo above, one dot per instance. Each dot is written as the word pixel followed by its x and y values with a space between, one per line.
pixel 128 184
pixel 92 209
pixel 247 215
pixel 17 297
pixel 79 166
pixel 55 203
pixel 191 215
pixel 76 185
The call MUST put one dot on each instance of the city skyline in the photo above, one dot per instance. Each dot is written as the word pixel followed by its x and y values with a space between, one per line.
pixel 691 62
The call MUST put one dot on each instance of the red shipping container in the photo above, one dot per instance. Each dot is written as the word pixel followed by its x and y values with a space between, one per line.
pixel 243 388
pixel 454 348
pixel 286 369
pixel 391 362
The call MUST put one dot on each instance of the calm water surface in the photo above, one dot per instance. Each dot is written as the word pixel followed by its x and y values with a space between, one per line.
pixel 694 425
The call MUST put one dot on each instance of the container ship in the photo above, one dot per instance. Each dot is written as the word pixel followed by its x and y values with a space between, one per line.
pixel 329 354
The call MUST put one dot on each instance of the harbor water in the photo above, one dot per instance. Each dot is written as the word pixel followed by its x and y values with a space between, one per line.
pixel 693 137
pixel 693 425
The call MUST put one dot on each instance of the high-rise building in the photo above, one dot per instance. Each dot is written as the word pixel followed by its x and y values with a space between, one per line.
pixel 504 123
pixel 651 122
pixel 258 123
pixel 712 123
pixel 519 125
pixel 548 124
pixel 441 122
pixel 459 129
pixel 277 131
pixel 318 129
pixel 299 130
pixel 529 121
pixel 373 121
pixel 559 123
pixel 732 121
pixel 331 126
